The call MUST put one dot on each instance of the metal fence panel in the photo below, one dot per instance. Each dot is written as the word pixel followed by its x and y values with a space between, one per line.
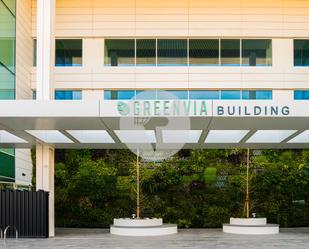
pixel 25 210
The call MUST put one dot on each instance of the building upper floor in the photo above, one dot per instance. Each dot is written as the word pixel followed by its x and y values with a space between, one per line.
pixel 176 45
pixel 245 18
pixel 180 63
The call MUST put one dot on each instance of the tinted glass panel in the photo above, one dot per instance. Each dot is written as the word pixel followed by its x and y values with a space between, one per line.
pixel 7 83
pixel 119 52
pixel 256 52
pixel 264 94
pixel 230 52
pixel 204 94
pixel 7 78
pixel 230 94
pixel 172 52
pixel 11 4
pixel 146 52
pixel 68 95
pixel 7 38
pixel 298 95
pixel 301 52
pixel 146 94
pixel 7 94
pixel 204 52
pixel 173 94
pixel 7 169
pixel 122 94
pixel 69 52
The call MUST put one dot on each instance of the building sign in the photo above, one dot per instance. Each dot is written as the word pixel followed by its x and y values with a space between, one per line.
pixel 200 108
pixel 256 110
pixel 163 108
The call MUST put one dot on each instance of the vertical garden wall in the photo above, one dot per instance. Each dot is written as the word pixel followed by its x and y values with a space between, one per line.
pixel 195 188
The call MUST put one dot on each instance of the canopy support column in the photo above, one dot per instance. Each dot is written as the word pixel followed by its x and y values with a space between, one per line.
pixel 45 172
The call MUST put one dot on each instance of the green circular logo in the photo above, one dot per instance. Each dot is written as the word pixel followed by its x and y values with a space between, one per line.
pixel 123 108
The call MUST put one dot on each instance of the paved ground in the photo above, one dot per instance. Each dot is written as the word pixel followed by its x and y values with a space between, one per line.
pixel 194 238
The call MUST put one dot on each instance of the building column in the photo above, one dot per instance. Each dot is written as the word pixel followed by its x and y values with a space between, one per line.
pixel 45 49
pixel 45 172
pixel 45 91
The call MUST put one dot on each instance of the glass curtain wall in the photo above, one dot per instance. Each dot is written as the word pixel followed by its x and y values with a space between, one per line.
pixel 7 77
pixel 188 94
pixel 190 52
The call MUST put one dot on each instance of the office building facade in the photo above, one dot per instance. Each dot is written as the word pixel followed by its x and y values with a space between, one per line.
pixel 248 52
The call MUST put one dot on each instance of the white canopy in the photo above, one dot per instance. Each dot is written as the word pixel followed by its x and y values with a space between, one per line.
pixel 161 123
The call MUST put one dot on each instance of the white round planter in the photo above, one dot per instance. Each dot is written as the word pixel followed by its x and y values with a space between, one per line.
pixel 138 222
pixel 250 226
pixel 248 222
pixel 142 227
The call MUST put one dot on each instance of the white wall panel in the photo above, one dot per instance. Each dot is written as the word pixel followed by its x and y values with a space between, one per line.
pixel 97 18
pixel 24 59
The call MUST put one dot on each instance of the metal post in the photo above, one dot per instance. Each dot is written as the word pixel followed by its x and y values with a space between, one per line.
pixel 137 186
pixel 247 200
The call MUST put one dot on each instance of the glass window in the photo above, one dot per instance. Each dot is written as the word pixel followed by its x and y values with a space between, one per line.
pixel 69 52
pixel 172 52
pixel 7 77
pixel 7 83
pixel 301 53
pixel 172 94
pixel 146 52
pixel 204 52
pixel 146 94
pixel 7 94
pixel 68 95
pixel 230 94
pixel 256 52
pixel 301 95
pixel 7 169
pixel 260 94
pixel 119 95
pixel 119 52
pixel 230 52
pixel 7 38
pixel 11 4
pixel 204 94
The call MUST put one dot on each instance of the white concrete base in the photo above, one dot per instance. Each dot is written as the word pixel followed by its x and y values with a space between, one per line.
pixel 138 222
pixel 253 226
pixel 248 222
pixel 142 227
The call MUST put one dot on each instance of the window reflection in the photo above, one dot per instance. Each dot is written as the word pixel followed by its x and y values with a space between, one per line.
pixel 256 52
pixel 69 52
pixel 301 53
pixel 119 52
pixel 172 52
